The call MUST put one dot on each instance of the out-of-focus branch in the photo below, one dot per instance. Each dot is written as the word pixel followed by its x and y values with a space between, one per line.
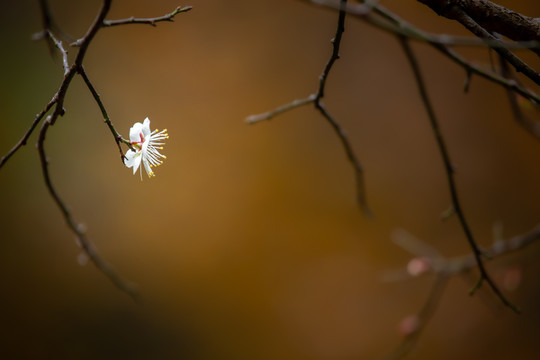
pixel 450 175
pixel 148 21
pixel 465 263
pixel 426 262
pixel 421 319
pixel 533 127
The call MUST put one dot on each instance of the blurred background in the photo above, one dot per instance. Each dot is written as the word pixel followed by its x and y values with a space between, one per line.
pixel 248 243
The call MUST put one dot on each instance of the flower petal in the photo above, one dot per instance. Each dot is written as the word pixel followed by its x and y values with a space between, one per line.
pixel 134 132
pixel 146 128
pixel 133 159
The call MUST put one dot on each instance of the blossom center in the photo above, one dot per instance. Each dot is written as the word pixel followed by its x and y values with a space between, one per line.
pixel 138 144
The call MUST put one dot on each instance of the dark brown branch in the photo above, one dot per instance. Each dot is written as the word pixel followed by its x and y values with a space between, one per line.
pixel 479 31
pixel 336 42
pixel 533 127
pixel 340 132
pixel 148 21
pixel 492 17
pixel 397 26
pixel 75 227
pixel 450 175
pixel 357 166
pixel 84 42
pixel 316 99
pixel 28 132
pixel 117 137
pixel 57 103
pixel 338 129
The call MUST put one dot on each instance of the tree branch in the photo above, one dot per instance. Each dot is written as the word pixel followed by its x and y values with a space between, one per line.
pixel 479 31
pixel 492 17
pixel 422 318
pixel 280 109
pixel 75 227
pixel 533 127
pixel 450 176
pixel 444 268
pixel 117 137
pixel 340 132
pixel 56 105
pixel 397 26
pixel 316 99
pixel 148 21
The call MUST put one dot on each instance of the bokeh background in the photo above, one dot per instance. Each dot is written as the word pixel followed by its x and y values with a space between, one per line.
pixel 248 243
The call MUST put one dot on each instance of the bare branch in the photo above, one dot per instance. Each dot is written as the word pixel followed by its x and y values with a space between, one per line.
pixel 450 176
pixel 492 17
pixel 479 31
pixel 533 127
pixel 340 132
pixel 422 318
pixel 27 134
pixel 395 25
pixel 148 21
pixel 316 99
pixel 75 227
pixel 60 47
pixel 444 268
pixel 280 109
pixel 117 137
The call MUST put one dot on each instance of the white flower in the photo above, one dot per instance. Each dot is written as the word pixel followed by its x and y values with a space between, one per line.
pixel 146 145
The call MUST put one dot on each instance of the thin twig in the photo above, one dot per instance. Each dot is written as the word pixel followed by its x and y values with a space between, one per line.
pixel 46 23
pixel 280 109
pixel 336 42
pixel 533 127
pixel 423 317
pixel 316 99
pixel 450 176
pixel 148 21
pixel 28 132
pixel 84 42
pixel 357 166
pixel 492 17
pixel 443 269
pixel 57 102
pixel 63 51
pixel 338 129
pixel 117 137
pixel 479 31
pixel 76 228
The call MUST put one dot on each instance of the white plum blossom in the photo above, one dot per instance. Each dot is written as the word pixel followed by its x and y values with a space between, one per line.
pixel 145 147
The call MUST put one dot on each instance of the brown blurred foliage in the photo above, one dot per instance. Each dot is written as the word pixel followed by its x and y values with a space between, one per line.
pixel 248 243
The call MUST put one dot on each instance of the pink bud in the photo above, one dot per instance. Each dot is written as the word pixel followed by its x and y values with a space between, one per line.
pixel 418 266
pixel 408 325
